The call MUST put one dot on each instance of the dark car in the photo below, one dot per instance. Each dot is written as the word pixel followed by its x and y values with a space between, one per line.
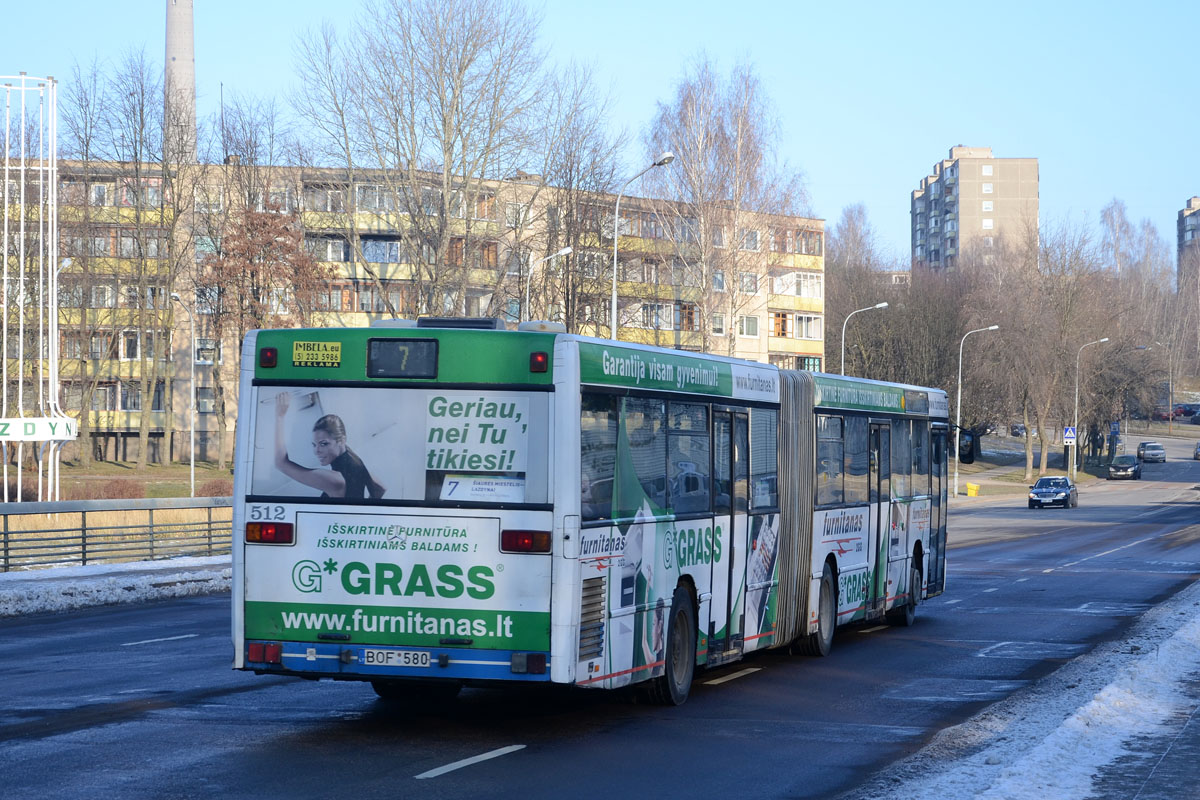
pixel 1141 451
pixel 1016 429
pixel 1053 492
pixel 1153 451
pixel 1125 467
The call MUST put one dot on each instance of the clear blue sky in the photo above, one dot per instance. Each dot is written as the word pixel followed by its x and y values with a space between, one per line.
pixel 870 94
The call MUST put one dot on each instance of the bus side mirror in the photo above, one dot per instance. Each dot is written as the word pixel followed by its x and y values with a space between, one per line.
pixel 966 448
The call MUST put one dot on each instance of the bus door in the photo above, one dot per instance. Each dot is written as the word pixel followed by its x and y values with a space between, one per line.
pixel 731 493
pixel 936 576
pixel 880 478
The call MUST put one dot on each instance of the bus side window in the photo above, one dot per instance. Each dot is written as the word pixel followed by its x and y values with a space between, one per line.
pixel 901 459
pixel 829 460
pixel 598 455
pixel 764 458
pixel 856 460
pixel 644 424
pixel 688 457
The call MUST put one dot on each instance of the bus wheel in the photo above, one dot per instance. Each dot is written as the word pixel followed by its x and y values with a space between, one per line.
pixel 908 614
pixel 821 642
pixel 417 694
pixel 680 660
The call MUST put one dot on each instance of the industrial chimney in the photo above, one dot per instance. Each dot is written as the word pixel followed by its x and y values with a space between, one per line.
pixel 179 128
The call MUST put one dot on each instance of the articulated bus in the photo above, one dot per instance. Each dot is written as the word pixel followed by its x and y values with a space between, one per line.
pixel 436 503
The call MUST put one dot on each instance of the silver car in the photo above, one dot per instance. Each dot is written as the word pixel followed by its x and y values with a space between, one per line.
pixel 1154 451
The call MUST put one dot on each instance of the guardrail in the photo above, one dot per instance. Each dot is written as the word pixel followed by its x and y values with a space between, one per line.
pixel 90 531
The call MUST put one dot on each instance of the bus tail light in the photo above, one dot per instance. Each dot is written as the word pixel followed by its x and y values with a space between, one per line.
pixel 539 362
pixel 268 357
pixel 270 532
pixel 525 541
pixel 264 652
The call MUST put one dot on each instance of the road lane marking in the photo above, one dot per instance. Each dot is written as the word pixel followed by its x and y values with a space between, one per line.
pixel 952 602
pixel 1107 552
pixel 164 639
pixel 739 674
pixel 993 589
pixel 1021 580
pixel 466 762
pixel 876 628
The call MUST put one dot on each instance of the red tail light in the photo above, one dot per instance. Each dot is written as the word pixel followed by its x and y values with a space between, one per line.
pixel 525 541
pixel 539 362
pixel 270 532
pixel 268 357
pixel 264 652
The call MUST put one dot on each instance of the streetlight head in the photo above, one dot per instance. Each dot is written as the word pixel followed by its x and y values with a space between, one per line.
pixel 881 305
pixel 566 251
pixel 666 158
pixel 1105 339
pixel 994 328
pixel 175 295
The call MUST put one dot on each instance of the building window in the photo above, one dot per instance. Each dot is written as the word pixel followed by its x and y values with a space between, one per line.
pixel 750 240
pixel 206 400
pixel 130 342
pixel 718 324
pixel 208 351
pixel 810 363
pixel 718 280
pixel 748 282
pixel 516 215
pixel 988 241
pixel 808 326
pixel 987 188
pixel 653 315
pixel 986 170
pixel 781 324
pixel 748 326
pixel 685 316
pixel 485 206
pixel 987 205
pixel 718 236
pixel 512 311
pixel 987 223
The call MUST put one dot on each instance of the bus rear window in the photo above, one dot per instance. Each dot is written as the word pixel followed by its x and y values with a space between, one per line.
pixel 372 443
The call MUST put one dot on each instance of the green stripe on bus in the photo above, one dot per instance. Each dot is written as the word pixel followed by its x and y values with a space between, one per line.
pixel 608 365
pixel 415 626
pixel 464 356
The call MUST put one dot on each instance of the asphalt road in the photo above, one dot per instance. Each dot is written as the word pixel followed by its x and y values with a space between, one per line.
pixel 139 701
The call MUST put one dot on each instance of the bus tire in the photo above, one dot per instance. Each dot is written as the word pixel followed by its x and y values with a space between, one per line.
pixel 907 615
pixel 680 659
pixel 820 642
pixel 416 694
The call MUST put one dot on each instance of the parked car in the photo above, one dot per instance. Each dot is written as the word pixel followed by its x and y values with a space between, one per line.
pixel 1016 429
pixel 1154 452
pixel 1125 467
pixel 1057 491
pixel 1196 455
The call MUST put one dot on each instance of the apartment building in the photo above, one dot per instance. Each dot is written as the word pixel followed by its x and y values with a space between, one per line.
pixel 139 307
pixel 969 203
pixel 1187 247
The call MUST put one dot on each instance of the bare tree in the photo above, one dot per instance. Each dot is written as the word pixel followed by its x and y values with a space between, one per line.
pixel 433 101
pixel 725 181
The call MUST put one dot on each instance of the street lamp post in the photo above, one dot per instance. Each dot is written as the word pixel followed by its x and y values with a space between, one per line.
pixel 192 409
pixel 566 251
pixel 664 159
pixel 958 409
pixel 847 319
pixel 1075 452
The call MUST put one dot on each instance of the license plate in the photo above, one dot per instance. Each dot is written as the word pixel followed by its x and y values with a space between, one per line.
pixel 395 658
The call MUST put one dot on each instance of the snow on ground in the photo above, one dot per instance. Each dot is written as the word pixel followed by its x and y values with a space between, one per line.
pixel 1050 739
pixel 63 588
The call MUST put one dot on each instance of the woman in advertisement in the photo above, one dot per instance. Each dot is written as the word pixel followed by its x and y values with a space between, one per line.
pixel 348 477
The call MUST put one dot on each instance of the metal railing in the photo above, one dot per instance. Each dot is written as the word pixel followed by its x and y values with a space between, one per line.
pixel 90 531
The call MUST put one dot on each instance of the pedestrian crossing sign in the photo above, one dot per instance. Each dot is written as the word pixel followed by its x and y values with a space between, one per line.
pixel 1069 434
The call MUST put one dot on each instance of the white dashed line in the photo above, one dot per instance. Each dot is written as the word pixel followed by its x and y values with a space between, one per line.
pixel 466 762
pixel 739 674
pixel 164 639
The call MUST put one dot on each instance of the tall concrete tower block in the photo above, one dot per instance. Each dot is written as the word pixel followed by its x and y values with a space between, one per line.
pixel 179 108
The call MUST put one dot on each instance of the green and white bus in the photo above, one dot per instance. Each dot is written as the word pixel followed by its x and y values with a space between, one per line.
pixel 430 504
